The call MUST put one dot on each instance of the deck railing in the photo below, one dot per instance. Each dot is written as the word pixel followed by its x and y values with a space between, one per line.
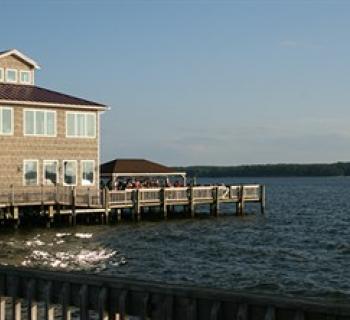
pixel 55 295
pixel 175 195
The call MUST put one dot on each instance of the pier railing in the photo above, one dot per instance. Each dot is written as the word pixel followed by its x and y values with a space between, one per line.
pixel 186 195
pixel 58 295
pixel 49 195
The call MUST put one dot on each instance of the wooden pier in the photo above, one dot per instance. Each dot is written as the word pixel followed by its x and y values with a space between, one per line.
pixel 34 294
pixel 62 201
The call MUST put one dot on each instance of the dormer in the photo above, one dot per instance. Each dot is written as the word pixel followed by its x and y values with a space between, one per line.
pixel 17 68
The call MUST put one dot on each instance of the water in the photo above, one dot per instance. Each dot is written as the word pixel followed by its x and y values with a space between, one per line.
pixel 300 248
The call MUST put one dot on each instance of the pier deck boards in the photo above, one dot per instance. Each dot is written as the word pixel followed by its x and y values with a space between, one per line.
pixel 66 201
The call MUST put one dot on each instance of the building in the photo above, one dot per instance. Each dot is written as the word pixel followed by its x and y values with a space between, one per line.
pixel 47 138
pixel 139 169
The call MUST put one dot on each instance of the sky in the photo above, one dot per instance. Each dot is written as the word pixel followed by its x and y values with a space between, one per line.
pixel 198 82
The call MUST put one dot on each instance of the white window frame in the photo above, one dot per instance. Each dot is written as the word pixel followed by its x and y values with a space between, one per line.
pixel 2 75
pixel 30 76
pixel 76 125
pixel 45 123
pixel 76 173
pixel 57 172
pixel 24 172
pixel 16 73
pixel 82 171
pixel 12 121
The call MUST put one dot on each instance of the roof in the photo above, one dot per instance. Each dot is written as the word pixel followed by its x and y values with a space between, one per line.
pixel 134 166
pixel 20 55
pixel 28 94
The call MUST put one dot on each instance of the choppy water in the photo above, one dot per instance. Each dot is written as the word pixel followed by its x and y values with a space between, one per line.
pixel 300 248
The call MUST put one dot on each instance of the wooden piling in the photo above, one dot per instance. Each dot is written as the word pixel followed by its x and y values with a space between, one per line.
pixel 262 199
pixel 137 205
pixel 163 203
pixel 106 204
pixel 192 204
pixel 216 204
pixel 50 216
pixel 240 204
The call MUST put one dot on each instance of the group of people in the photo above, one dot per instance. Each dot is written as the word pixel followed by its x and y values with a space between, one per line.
pixel 138 184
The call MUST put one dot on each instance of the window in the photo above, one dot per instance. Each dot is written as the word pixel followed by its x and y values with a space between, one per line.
pixel 6 120
pixel 50 172
pixel 80 125
pixel 2 76
pixel 87 172
pixel 30 172
pixel 40 123
pixel 70 172
pixel 11 75
pixel 25 77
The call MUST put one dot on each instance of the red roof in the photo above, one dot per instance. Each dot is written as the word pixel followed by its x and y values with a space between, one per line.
pixel 28 93
pixel 136 166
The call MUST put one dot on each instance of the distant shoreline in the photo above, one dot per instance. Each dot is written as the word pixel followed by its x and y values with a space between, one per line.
pixel 338 169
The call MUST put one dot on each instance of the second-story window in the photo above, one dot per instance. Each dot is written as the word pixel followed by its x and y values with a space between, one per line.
pixel 40 123
pixel 11 75
pixel 80 125
pixel 6 120
pixel 25 77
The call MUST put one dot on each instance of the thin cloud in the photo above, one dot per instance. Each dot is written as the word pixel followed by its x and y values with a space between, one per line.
pixel 295 44
pixel 289 43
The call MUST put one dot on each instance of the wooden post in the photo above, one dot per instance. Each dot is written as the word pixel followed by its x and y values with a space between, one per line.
pixel 16 217
pixel 192 204
pixel 106 203
pixel 262 199
pixel 74 217
pixel 12 195
pixel 217 201
pixel 16 309
pixel 2 308
pixel 137 205
pixel 50 215
pixel 89 198
pixel 163 202
pixel 240 204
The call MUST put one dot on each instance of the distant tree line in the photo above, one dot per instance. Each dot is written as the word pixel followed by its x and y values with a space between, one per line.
pixel 270 170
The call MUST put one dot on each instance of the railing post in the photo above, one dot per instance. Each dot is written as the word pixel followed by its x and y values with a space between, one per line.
pixel 12 200
pixel 163 202
pixel 137 205
pixel 192 202
pixel 262 198
pixel 74 195
pixel 89 198
pixel 106 198
pixel 240 203
pixel 216 201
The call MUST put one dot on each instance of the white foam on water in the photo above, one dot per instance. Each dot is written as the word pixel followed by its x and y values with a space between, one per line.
pixel 35 242
pixel 62 235
pixel 83 259
pixel 83 235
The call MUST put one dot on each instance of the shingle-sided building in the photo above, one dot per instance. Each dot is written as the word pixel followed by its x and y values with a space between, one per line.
pixel 46 137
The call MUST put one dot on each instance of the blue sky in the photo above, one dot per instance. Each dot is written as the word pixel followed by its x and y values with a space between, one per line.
pixel 198 82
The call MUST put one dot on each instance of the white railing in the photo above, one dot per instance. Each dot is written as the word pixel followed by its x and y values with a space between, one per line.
pixel 177 194
pixel 252 192
pixel 203 193
pixel 121 196
pixel 150 195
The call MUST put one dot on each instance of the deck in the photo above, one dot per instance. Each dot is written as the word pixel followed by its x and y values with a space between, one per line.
pixel 59 200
